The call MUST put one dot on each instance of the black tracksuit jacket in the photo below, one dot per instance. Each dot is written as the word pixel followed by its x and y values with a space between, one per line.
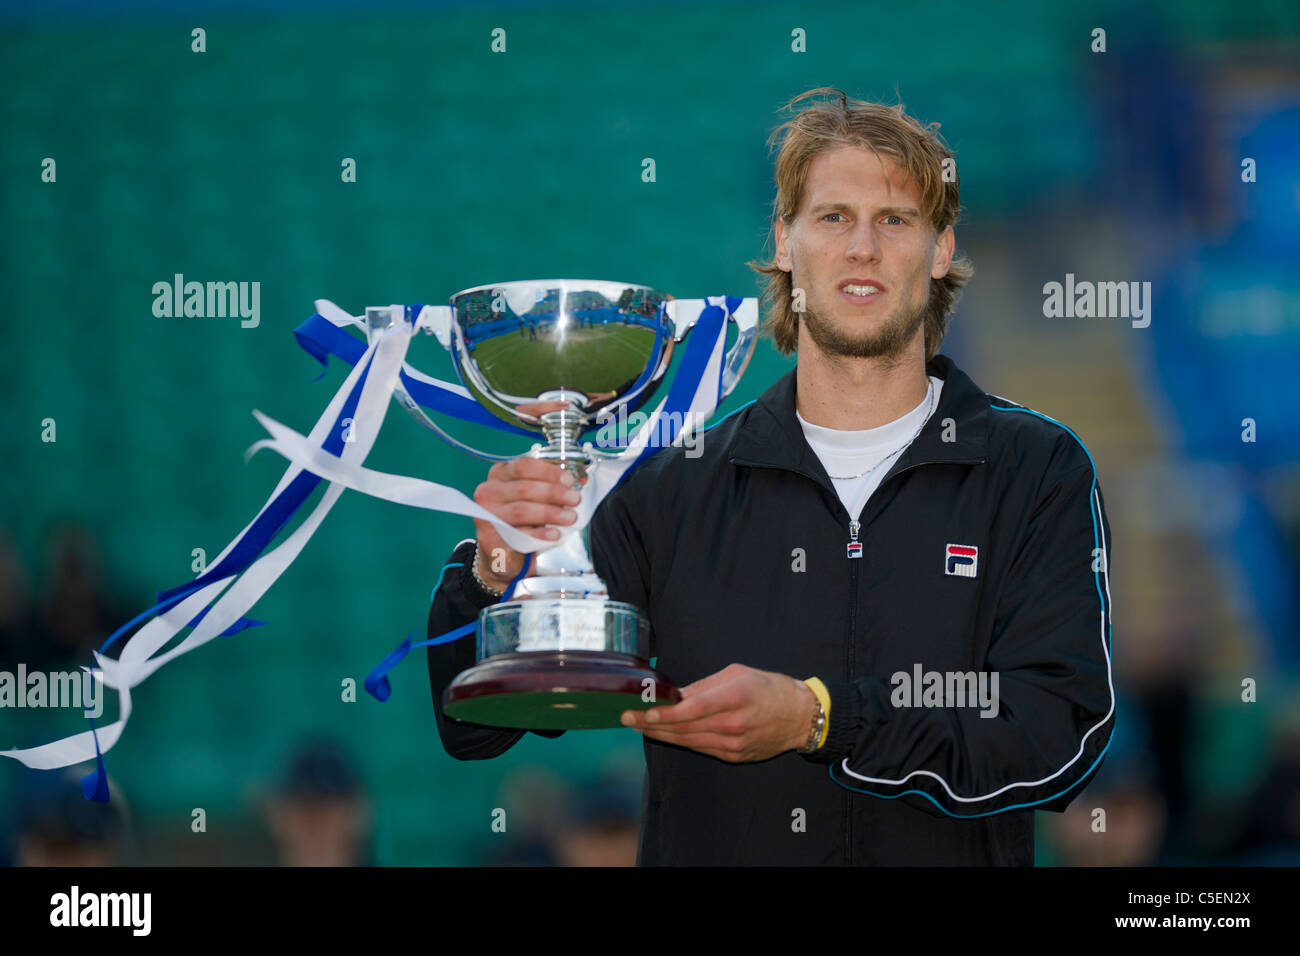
pixel 740 555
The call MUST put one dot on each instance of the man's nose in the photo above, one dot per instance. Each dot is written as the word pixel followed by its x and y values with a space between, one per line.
pixel 863 243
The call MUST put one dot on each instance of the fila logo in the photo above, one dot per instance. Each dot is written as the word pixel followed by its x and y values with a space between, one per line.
pixel 961 560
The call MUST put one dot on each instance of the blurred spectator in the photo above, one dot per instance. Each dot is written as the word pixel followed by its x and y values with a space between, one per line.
pixel 76 613
pixel 1267 825
pixel 17 624
pixel 57 826
pixel 1164 692
pixel 533 798
pixel 603 826
pixel 1134 820
pixel 555 822
pixel 320 815
pixel 1121 817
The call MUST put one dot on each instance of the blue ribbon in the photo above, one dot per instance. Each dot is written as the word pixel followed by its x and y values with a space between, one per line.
pixel 687 379
pixel 247 549
pixel 321 338
pixel 377 681
pixel 277 514
pixel 243 624
pixel 94 785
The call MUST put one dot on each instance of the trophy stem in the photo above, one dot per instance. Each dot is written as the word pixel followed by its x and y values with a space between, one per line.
pixel 563 430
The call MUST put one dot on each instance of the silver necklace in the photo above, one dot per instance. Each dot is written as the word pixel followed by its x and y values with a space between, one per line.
pixel 929 395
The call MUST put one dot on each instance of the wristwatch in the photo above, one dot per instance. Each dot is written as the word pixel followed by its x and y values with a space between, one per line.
pixel 818 726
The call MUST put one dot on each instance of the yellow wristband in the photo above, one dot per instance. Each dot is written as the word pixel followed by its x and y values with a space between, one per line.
pixel 824 696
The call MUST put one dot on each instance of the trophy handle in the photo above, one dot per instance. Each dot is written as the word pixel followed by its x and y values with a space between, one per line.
pixel 686 312
pixel 432 320
pixel 416 412
pixel 435 320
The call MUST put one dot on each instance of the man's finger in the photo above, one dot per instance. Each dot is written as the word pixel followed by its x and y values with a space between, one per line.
pixel 537 469
pixel 520 514
pixel 724 697
pixel 697 708
pixel 529 489
pixel 714 726
pixel 715 679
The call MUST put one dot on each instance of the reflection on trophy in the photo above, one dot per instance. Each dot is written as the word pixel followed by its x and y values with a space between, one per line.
pixel 558 357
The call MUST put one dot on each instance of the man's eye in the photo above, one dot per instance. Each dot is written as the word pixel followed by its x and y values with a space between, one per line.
pixel 829 214
pixel 901 221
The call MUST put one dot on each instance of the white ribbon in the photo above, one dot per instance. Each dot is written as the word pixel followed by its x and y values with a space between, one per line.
pixel 232 596
pixel 400 489
pixel 135 662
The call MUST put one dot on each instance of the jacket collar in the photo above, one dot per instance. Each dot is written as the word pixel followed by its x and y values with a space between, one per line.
pixel 770 436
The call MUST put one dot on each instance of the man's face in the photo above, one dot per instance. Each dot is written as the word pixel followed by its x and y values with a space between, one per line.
pixel 860 225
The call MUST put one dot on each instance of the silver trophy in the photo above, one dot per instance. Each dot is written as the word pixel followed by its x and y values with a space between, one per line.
pixel 560 356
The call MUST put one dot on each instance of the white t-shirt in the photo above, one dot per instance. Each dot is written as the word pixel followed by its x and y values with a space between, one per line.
pixel 853 452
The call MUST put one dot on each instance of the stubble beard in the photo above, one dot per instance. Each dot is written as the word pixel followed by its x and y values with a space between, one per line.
pixel 888 343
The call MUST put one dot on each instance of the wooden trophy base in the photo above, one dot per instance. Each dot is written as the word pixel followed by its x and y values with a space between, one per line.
pixel 556 690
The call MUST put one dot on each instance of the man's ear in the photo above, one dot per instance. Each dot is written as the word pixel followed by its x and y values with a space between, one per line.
pixel 783 260
pixel 944 245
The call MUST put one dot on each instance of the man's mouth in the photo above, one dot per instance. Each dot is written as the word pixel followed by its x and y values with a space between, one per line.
pixel 861 291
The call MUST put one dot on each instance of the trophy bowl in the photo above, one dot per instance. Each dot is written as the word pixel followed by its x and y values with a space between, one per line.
pixel 558 357
pixel 589 345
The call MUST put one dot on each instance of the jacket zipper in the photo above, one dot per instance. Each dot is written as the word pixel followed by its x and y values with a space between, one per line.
pixel 854 550
pixel 852 643
pixel 855 547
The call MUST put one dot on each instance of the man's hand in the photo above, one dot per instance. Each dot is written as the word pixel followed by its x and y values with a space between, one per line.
pixel 530 494
pixel 739 714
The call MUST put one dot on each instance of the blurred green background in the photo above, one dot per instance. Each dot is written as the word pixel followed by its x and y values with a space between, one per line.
pixel 472 167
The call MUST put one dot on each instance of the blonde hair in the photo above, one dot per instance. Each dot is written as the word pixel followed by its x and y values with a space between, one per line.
pixel 919 151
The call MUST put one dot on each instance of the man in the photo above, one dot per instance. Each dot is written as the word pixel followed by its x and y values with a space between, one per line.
pixel 320 815
pixel 882 590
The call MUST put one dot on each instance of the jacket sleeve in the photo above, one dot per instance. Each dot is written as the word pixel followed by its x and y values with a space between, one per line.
pixel 1050 649
pixel 457 602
